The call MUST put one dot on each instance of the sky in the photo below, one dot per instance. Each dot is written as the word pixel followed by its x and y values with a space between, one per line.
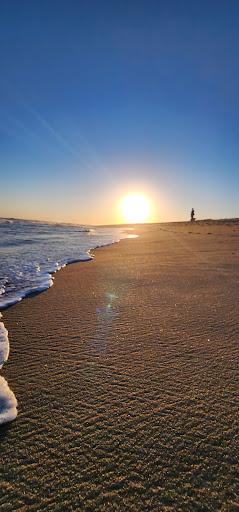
pixel 100 99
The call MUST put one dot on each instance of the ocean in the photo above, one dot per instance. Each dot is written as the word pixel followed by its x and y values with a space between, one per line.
pixel 30 253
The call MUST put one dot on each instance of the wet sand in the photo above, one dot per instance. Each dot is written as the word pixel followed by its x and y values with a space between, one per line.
pixel 126 375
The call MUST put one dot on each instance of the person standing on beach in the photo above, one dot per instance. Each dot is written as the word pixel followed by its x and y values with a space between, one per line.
pixel 192 215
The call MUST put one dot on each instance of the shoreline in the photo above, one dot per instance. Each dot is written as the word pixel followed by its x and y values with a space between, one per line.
pixel 8 401
pixel 181 227
pixel 125 375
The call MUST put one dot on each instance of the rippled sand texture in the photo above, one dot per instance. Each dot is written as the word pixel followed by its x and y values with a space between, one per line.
pixel 126 374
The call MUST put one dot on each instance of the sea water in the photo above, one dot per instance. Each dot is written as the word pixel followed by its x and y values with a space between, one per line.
pixel 30 253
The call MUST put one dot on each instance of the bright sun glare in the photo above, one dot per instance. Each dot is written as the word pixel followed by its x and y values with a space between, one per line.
pixel 135 208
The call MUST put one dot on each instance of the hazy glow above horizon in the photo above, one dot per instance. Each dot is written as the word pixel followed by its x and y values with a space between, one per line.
pixel 135 208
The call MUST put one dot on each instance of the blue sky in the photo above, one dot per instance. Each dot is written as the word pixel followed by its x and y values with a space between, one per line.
pixel 102 98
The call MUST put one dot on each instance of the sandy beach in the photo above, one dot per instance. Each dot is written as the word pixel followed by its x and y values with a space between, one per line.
pixel 126 376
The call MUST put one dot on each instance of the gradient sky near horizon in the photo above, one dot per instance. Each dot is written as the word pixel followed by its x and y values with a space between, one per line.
pixel 102 98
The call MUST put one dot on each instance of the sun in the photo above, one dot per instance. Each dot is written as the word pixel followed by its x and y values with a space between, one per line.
pixel 135 208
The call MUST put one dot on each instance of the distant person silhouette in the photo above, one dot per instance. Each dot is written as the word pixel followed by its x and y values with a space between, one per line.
pixel 192 215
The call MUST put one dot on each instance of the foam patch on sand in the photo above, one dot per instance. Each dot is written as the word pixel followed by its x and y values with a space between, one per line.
pixel 4 344
pixel 8 401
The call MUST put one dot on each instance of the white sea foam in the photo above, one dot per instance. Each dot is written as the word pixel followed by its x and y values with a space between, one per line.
pixel 4 344
pixel 8 401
